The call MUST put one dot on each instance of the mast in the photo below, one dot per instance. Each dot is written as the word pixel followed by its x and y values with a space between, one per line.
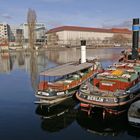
pixel 135 37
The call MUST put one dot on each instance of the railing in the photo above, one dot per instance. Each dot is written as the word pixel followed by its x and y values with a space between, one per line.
pixel 62 86
pixel 56 86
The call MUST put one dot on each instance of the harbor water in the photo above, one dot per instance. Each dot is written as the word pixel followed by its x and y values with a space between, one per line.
pixel 21 119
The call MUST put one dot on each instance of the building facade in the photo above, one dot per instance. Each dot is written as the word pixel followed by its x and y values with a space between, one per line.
pixel 71 35
pixel 4 33
pixel 40 30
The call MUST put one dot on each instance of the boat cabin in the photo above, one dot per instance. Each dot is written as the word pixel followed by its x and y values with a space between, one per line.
pixel 65 76
pixel 120 76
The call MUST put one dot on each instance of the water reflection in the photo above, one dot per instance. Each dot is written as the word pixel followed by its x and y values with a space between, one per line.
pixel 34 71
pixel 24 60
pixel 97 125
pixel 21 60
pixel 31 62
pixel 5 65
pixel 134 132
pixel 110 126
pixel 58 117
pixel 17 101
pixel 35 62
pixel 64 56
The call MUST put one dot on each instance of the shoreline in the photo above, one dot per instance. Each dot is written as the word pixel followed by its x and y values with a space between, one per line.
pixel 58 49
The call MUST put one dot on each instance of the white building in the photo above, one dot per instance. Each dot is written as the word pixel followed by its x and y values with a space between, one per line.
pixel 4 33
pixel 39 30
pixel 71 35
pixel 13 32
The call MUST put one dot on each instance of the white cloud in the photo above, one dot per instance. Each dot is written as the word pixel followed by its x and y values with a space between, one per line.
pixel 6 16
pixel 123 24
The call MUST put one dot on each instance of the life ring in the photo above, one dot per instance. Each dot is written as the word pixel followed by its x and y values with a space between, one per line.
pixel 131 96
pixel 116 100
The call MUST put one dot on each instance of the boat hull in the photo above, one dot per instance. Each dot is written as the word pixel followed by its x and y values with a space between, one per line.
pixel 55 99
pixel 134 114
pixel 120 104
pixel 134 121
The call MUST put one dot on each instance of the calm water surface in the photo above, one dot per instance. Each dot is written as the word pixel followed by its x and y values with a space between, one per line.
pixel 21 119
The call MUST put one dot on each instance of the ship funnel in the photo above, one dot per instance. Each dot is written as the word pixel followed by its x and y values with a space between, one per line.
pixel 83 51
pixel 135 37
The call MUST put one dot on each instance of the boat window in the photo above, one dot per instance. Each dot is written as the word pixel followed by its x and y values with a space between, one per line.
pixel 85 71
pixel 129 57
pixel 51 78
pixel 138 110
pixel 57 78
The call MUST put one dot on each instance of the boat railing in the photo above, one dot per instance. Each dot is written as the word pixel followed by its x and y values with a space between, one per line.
pixel 81 80
pixel 56 86
pixel 65 84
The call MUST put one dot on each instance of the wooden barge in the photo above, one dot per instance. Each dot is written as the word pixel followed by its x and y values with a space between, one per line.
pixel 59 83
pixel 116 87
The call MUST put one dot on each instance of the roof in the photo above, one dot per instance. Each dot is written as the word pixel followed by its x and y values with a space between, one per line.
pixel 89 29
pixel 66 69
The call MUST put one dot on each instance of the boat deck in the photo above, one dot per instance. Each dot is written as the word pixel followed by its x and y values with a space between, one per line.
pixel 93 90
pixel 123 77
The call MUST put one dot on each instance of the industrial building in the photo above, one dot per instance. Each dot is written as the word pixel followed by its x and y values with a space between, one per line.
pixel 71 35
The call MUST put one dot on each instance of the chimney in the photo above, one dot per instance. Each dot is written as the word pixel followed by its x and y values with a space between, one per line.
pixel 135 37
pixel 83 51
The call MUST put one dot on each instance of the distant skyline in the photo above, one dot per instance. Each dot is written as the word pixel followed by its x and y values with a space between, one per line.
pixel 87 13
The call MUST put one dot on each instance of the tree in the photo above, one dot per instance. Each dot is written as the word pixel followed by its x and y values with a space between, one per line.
pixel 31 20
pixel 119 39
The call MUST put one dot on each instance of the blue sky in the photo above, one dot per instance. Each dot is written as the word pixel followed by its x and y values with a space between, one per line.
pixel 92 13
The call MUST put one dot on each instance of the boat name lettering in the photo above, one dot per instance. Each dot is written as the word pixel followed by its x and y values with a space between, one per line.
pixel 107 84
pixel 95 98
pixel 45 93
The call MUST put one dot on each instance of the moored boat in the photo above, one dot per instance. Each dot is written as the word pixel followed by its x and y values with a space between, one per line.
pixel 114 89
pixel 59 83
pixel 134 114
pixel 117 86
